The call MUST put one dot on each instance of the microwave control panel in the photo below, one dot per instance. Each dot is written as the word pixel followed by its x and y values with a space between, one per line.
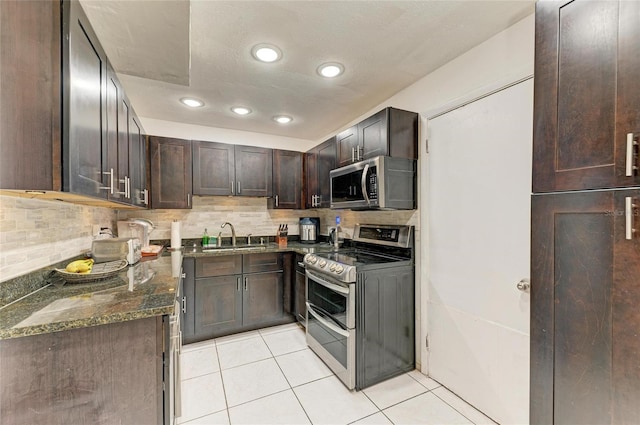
pixel 372 187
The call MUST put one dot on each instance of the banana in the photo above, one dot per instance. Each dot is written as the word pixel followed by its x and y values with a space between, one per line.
pixel 80 266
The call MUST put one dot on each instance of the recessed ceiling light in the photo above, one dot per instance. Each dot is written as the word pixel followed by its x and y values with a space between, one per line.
pixel 266 52
pixel 330 70
pixel 191 102
pixel 282 119
pixel 241 110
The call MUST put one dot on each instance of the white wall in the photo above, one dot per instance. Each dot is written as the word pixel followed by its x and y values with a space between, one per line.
pixel 224 135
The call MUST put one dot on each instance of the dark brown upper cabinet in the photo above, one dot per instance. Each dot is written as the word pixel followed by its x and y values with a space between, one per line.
pixel 254 171
pixel 586 96
pixel 585 271
pixel 287 180
pixel 170 173
pixel 213 168
pixel 84 118
pixel 222 169
pixel 138 150
pixel 62 107
pixel 319 162
pixel 390 132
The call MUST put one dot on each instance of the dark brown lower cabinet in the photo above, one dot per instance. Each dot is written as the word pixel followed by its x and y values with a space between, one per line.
pixel 262 298
pixel 585 314
pixel 98 375
pixel 217 305
pixel 235 293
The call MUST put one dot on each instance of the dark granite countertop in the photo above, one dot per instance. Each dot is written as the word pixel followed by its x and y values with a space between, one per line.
pixel 145 289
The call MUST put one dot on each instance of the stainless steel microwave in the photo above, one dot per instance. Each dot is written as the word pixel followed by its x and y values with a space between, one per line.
pixel 382 182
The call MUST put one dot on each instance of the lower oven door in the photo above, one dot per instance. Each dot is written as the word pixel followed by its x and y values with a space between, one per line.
pixel 331 332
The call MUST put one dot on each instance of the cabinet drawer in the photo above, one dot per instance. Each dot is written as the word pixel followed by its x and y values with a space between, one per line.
pixel 258 263
pixel 219 266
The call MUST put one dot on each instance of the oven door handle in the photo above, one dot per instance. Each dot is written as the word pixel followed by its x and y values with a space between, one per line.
pixel 327 315
pixel 325 323
pixel 327 284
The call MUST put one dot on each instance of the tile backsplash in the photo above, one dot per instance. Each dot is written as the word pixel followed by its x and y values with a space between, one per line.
pixel 36 233
pixel 251 215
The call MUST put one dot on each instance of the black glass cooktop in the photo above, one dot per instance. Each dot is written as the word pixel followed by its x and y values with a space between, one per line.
pixel 354 257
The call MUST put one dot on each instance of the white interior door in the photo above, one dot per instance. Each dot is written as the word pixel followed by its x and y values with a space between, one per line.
pixel 478 204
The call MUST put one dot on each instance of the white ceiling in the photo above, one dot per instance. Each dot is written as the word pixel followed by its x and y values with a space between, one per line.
pixel 169 49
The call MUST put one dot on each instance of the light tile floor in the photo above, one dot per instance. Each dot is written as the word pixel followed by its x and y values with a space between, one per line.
pixel 271 377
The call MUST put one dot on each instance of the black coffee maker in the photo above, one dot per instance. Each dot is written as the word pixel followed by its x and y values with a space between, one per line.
pixel 309 229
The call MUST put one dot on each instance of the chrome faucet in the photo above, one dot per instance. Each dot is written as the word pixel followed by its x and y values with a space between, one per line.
pixel 233 232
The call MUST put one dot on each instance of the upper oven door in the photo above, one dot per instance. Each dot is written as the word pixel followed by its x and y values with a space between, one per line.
pixel 356 185
pixel 332 300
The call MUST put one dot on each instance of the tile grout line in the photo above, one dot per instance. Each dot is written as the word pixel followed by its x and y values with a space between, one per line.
pixel 224 390
pixel 453 407
pixel 286 379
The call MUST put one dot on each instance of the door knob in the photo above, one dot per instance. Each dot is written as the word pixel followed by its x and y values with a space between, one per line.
pixel 524 285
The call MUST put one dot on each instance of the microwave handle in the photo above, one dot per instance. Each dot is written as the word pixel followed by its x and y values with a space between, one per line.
pixel 363 184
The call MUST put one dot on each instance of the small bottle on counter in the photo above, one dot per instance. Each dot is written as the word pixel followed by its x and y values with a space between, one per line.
pixel 205 239
pixel 336 240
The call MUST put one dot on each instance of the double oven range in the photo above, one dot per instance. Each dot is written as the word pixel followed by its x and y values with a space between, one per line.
pixel 361 303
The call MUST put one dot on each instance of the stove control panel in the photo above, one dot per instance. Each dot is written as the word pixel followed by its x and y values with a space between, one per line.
pixel 344 273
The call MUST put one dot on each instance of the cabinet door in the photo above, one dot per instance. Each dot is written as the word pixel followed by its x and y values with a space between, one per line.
pixel 219 265
pixel 262 298
pixel 170 172
pixel 265 262
pixel 138 163
pixel 218 305
pixel 84 117
pixel 287 179
pixel 326 163
pixel 111 130
pixel 311 180
pixel 124 175
pixel 254 171
pixel 373 136
pixel 213 168
pixel 347 142
pixel 187 315
pixel 30 98
pixel 584 315
pixel 587 93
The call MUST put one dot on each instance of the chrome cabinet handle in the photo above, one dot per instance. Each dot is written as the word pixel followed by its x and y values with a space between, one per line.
pixel 628 214
pixel 232 190
pixel 238 187
pixel 128 195
pixel 184 305
pixel 145 200
pixel 110 187
pixel 353 154
pixel 237 283
pixel 246 279
pixel 524 285
pixel 358 153
pixel 188 199
pixel 277 201
pixel 631 168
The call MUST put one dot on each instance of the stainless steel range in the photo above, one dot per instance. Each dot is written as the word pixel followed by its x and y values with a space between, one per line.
pixel 360 305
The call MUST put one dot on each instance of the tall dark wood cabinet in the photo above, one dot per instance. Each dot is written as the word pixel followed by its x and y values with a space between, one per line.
pixel 346 146
pixel 287 180
pixel 585 266
pixel 319 162
pixel 587 95
pixel 170 173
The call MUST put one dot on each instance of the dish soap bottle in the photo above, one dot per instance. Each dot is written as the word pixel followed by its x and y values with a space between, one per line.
pixel 336 243
pixel 205 239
